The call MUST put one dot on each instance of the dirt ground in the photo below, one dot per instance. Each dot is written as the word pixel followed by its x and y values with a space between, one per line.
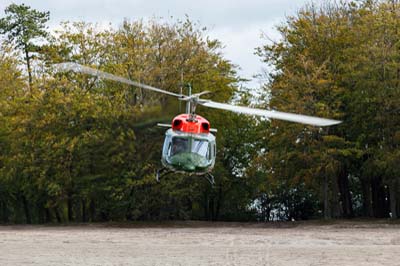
pixel 197 243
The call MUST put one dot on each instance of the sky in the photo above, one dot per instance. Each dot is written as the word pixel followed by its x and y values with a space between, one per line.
pixel 238 24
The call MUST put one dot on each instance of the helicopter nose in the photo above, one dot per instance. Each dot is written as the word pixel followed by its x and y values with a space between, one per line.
pixel 190 167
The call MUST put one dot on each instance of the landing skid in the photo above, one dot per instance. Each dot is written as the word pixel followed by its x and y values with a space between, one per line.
pixel 162 172
pixel 165 171
pixel 210 178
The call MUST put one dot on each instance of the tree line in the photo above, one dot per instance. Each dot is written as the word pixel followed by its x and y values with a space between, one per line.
pixel 75 148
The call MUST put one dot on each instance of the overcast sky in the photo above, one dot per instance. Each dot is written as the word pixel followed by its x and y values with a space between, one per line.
pixel 238 24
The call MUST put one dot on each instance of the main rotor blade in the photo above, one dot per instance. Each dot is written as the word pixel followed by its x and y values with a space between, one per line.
pixel 303 119
pixel 69 66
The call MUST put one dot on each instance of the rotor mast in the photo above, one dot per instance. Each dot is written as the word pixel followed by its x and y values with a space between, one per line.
pixel 188 105
pixel 191 104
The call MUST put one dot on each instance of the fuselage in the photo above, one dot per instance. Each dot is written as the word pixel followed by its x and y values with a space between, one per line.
pixel 189 146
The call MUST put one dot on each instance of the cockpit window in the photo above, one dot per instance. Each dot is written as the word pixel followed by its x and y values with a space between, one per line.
pixel 200 147
pixel 179 145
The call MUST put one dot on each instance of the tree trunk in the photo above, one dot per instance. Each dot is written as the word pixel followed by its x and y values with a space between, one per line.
pixel 128 213
pixel 206 207
pixel 212 209
pixel 57 213
pixel 327 214
pixel 69 207
pixel 345 196
pixel 28 65
pixel 335 206
pixel 378 198
pixel 92 210
pixel 219 203
pixel 40 212
pixel 83 204
pixel 48 215
pixel 366 197
pixel 393 187
pixel 397 201
pixel 4 212
pixel 26 210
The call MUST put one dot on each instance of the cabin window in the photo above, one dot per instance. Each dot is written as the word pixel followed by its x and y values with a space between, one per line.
pixel 167 145
pixel 214 150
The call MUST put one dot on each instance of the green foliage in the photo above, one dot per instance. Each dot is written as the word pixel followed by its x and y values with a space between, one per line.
pixel 23 26
pixel 338 61
pixel 82 149
pixel 75 148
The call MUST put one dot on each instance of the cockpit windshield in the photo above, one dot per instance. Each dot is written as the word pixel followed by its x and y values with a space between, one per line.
pixel 184 144
pixel 200 147
pixel 179 145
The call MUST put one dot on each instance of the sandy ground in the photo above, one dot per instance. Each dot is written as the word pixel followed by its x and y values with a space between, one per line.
pixel 340 243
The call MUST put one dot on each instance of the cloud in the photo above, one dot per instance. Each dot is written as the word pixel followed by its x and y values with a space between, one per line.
pixel 238 24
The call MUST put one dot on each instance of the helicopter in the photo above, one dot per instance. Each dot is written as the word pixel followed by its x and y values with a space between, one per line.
pixel 189 143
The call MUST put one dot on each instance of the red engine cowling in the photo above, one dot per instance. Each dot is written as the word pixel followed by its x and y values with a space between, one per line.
pixel 199 125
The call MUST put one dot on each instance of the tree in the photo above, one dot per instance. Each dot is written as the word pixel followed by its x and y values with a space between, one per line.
pixel 11 91
pixel 23 26
pixel 340 61
pixel 77 125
